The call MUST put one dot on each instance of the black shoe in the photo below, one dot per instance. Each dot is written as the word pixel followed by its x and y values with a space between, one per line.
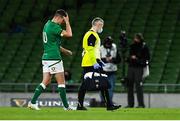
pixel 114 107
pixel 81 108
pixel 117 106
pixel 128 106
pixel 140 107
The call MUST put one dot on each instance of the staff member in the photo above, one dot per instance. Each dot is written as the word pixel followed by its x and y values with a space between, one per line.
pixel 110 56
pixel 138 56
pixel 91 61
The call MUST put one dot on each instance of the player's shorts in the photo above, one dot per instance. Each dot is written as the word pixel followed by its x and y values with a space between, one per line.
pixel 52 66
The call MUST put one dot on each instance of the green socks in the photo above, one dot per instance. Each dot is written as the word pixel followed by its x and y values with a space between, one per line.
pixel 39 89
pixel 62 92
pixel 61 89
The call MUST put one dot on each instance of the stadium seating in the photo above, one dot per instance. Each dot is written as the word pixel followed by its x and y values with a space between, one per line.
pixel 21 44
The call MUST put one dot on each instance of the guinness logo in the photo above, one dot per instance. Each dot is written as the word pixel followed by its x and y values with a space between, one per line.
pixel 20 102
pixel 43 102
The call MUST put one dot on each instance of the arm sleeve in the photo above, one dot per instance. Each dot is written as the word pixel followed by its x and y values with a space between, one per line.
pixel 57 30
pixel 90 47
pixel 145 56
pixel 130 54
pixel 147 53
pixel 91 40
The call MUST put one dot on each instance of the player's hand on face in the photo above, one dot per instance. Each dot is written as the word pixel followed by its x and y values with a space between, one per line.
pixel 66 19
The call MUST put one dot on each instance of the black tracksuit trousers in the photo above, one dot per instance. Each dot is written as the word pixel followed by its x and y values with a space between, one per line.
pixel 135 80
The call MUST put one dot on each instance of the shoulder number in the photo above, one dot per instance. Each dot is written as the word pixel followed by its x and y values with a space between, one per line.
pixel 45 37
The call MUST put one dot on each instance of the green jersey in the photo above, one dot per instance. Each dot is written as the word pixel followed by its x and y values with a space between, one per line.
pixel 52 41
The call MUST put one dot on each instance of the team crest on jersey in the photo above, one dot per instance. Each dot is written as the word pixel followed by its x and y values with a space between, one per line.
pixel 53 69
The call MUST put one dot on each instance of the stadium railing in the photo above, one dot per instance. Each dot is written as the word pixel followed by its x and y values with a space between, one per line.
pixel 29 87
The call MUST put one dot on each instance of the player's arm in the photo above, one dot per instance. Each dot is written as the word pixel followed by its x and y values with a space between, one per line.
pixel 68 31
pixel 90 47
pixel 65 51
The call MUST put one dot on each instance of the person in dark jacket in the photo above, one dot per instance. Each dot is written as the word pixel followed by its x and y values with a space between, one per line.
pixel 139 57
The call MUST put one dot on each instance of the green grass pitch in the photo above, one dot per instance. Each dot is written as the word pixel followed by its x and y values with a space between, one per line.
pixel 92 113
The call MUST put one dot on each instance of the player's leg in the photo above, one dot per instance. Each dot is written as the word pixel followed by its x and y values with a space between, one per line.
pixel 139 87
pixel 111 80
pixel 106 97
pixel 58 70
pixel 82 90
pixel 39 89
pixel 81 95
pixel 62 88
pixel 130 88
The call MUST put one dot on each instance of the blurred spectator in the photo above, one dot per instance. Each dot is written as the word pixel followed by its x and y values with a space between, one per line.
pixel 138 57
pixel 110 56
